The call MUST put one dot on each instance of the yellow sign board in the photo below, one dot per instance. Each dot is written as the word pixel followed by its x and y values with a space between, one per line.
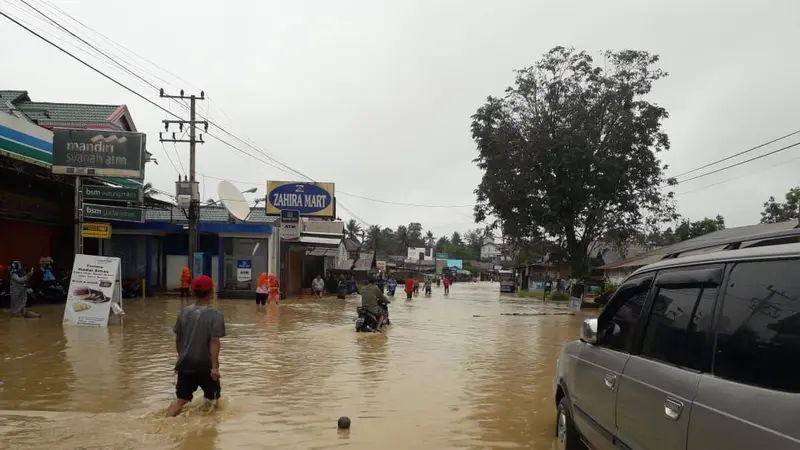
pixel 96 230
pixel 308 199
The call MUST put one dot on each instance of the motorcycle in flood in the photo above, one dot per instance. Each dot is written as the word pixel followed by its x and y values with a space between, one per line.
pixel 366 322
pixel 49 292
pixel 131 288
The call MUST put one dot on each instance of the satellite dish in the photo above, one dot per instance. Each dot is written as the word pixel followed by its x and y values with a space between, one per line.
pixel 233 200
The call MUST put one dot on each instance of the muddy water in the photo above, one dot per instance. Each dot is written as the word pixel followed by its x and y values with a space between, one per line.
pixel 440 378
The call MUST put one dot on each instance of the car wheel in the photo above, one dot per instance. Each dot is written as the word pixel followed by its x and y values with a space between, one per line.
pixel 566 434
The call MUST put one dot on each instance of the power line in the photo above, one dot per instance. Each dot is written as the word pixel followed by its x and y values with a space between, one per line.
pixel 103 74
pixel 388 202
pixel 738 154
pixel 63 28
pixel 738 178
pixel 740 163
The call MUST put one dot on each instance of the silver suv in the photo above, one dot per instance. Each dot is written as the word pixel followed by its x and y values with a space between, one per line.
pixel 697 353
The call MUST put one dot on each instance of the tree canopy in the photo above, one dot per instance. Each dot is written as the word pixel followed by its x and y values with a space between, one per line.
pixel 569 153
pixel 775 212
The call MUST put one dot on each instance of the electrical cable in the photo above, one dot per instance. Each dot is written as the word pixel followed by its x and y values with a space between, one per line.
pixel 738 154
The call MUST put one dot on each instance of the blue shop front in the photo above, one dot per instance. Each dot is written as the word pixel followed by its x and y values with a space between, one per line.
pixel 233 254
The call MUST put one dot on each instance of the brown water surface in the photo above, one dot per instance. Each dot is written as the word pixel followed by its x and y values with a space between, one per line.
pixel 440 378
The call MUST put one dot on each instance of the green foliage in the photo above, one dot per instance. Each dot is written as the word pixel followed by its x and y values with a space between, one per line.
pixel 688 230
pixel 609 288
pixel 559 297
pixel 397 242
pixel 569 153
pixel 775 212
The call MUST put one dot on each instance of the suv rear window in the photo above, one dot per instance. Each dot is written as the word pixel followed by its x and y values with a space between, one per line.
pixel 758 340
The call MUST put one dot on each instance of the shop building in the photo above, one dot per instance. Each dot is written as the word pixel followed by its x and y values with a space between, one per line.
pixel 157 250
pixel 37 207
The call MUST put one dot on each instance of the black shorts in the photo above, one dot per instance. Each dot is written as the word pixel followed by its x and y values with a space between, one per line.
pixel 261 299
pixel 184 292
pixel 188 382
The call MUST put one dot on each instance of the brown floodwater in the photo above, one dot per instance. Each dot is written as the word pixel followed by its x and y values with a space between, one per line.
pixel 450 373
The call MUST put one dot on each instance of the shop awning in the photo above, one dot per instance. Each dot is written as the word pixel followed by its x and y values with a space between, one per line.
pixel 316 240
pixel 323 252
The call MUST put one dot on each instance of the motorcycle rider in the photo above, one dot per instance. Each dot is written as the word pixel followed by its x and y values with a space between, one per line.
pixel 371 300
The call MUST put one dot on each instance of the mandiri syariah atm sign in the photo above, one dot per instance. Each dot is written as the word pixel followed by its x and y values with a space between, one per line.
pixel 100 153
pixel 309 199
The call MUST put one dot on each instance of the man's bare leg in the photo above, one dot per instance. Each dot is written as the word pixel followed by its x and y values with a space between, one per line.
pixel 176 407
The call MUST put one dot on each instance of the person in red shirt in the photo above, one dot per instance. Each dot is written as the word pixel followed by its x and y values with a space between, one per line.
pixel 446 284
pixel 410 283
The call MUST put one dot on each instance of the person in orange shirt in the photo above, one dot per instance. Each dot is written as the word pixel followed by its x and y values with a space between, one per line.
pixel 186 278
pixel 262 289
pixel 274 289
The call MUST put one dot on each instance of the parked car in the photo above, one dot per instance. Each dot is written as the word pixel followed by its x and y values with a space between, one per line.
pixel 697 353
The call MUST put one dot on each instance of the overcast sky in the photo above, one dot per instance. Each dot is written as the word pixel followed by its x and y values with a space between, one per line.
pixel 376 96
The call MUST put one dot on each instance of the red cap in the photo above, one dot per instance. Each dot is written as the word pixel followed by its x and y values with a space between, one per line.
pixel 202 283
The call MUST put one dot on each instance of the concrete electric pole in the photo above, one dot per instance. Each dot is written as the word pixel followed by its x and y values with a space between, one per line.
pixel 194 210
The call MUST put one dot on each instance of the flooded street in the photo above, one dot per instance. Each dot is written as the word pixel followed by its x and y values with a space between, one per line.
pixel 439 378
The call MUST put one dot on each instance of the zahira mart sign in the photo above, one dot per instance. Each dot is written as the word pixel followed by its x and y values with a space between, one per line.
pixel 309 199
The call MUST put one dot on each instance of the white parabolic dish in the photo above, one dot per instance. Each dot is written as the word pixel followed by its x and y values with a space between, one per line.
pixel 233 200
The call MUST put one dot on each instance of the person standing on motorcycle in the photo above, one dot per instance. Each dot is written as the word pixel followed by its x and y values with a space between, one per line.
pixel 18 291
pixel 409 287
pixel 371 300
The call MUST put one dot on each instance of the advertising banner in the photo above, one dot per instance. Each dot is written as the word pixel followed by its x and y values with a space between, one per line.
pixel 290 225
pixel 380 265
pixel 96 230
pixel 440 265
pixel 101 153
pixel 116 213
pixel 455 264
pixel 309 199
pixel 94 286
pixel 244 270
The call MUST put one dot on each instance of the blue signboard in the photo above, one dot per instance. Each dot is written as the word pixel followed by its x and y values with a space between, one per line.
pixel 309 199
pixel 244 270
pixel 455 263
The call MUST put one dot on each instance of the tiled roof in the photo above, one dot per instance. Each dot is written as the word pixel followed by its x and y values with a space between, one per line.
pixel 11 100
pixel 208 214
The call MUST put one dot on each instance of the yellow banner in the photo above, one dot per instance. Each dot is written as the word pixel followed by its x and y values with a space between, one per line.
pixel 309 199
pixel 96 230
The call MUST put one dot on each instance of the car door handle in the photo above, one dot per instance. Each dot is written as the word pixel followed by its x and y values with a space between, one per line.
pixel 673 409
pixel 610 380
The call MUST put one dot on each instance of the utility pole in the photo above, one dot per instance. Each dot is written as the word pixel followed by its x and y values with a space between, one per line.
pixel 194 201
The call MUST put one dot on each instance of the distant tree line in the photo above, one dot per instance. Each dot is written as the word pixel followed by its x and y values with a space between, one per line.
pixel 397 241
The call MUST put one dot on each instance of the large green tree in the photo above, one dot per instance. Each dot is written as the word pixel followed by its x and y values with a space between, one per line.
pixel 570 152
pixel 775 212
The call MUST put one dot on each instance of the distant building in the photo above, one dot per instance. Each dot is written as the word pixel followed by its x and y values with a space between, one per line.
pixel 420 254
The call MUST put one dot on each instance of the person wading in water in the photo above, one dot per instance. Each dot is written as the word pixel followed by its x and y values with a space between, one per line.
pixel 19 292
pixel 197 339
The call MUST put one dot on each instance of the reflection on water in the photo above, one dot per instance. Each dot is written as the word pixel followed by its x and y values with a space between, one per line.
pixel 451 372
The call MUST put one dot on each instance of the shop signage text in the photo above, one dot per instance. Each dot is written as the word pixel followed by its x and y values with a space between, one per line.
pixel 96 230
pixel 112 194
pixel 290 225
pixel 309 199
pixel 244 270
pixel 98 153
pixel 114 213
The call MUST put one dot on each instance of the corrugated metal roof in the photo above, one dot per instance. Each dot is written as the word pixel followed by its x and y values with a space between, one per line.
pixel 320 241
pixel 209 214
pixel 361 264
